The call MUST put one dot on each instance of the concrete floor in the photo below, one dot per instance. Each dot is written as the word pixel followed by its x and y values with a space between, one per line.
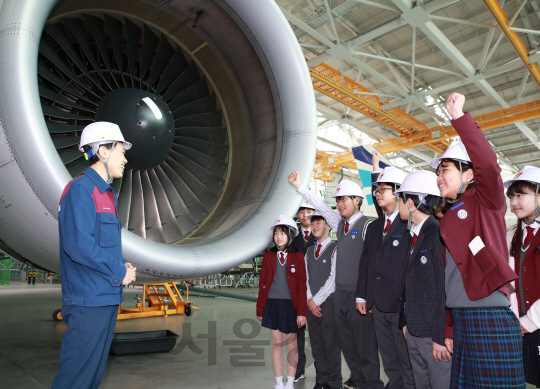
pixel 30 345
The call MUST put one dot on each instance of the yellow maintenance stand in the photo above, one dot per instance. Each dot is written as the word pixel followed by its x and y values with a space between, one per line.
pixel 159 299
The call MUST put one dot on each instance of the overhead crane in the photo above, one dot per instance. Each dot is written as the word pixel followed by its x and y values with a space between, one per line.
pixel 332 83
pixel 326 164
pixel 439 137
pixel 413 132
pixel 510 32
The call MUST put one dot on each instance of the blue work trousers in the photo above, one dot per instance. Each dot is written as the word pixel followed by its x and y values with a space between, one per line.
pixel 85 346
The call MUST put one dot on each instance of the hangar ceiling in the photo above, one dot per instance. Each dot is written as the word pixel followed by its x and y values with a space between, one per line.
pixel 410 55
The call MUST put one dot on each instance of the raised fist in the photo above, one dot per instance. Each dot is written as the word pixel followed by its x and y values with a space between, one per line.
pixel 454 105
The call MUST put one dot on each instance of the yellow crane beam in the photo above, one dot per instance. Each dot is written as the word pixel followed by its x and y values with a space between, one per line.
pixel 326 164
pixel 500 16
pixel 332 83
pixel 440 142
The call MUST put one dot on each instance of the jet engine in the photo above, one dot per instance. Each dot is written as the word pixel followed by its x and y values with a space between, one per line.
pixel 214 95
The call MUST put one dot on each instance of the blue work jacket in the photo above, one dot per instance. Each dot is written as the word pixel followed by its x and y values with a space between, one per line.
pixel 91 261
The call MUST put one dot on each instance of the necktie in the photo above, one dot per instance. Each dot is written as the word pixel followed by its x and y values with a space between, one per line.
pixel 415 237
pixel 387 227
pixel 318 250
pixel 306 235
pixel 529 236
pixel 282 258
pixel 346 227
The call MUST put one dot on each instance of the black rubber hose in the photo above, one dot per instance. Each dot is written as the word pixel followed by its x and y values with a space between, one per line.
pixel 218 293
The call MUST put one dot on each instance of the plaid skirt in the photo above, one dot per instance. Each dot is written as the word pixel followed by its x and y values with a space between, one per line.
pixel 531 358
pixel 487 349
pixel 280 315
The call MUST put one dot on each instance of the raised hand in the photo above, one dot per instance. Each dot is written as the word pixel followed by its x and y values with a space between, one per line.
pixel 376 157
pixel 294 179
pixel 454 105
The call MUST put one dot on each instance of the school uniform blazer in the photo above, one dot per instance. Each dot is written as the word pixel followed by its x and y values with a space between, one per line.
pixel 302 245
pixel 479 212
pixel 382 265
pixel 296 278
pixel 424 293
pixel 530 274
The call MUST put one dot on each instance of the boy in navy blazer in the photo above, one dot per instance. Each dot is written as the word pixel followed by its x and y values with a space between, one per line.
pixel 424 316
pixel 380 276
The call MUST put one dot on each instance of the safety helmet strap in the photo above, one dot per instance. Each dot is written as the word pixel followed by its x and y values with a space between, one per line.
pixel 95 149
pixel 393 209
pixel 464 184
pixel 421 198
pixel 533 219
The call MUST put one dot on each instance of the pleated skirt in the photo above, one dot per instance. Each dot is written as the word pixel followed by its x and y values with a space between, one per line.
pixel 487 349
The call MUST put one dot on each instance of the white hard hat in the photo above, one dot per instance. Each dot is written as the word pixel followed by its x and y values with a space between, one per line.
pixel 286 221
pixel 348 188
pixel 102 133
pixel 306 204
pixel 456 151
pixel 316 213
pixel 392 175
pixel 421 183
pixel 527 173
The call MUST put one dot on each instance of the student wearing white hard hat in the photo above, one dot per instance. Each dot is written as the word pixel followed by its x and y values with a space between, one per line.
pixel 424 318
pixel 281 305
pixel 323 335
pixel 524 246
pixel 380 276
pixel 487 336
pixel 92 266
pixel 304 240
pixel 356 332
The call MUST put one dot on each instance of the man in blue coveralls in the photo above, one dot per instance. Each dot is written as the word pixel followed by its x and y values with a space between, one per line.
pixel 92 266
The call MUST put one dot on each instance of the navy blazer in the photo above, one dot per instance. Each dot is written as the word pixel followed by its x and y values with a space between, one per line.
pixel 301 244
pixel 424 293
pixel 382 265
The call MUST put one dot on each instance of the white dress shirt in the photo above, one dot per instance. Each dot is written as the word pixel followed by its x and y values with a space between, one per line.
pixel 392 217
pixel 415 229
pixel 303 232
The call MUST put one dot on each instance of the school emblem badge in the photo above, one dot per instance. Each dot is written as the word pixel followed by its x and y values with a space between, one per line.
pixel 423 260
pixel 462 214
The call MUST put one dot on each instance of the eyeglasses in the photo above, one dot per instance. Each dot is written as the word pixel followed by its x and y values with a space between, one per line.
pixel 381 191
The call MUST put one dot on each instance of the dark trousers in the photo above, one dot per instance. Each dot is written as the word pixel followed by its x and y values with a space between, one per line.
pixel 358 341
pixel 301 343
pixel 85 346
pixel 393 349
pixel 428 372
pixel 325 348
